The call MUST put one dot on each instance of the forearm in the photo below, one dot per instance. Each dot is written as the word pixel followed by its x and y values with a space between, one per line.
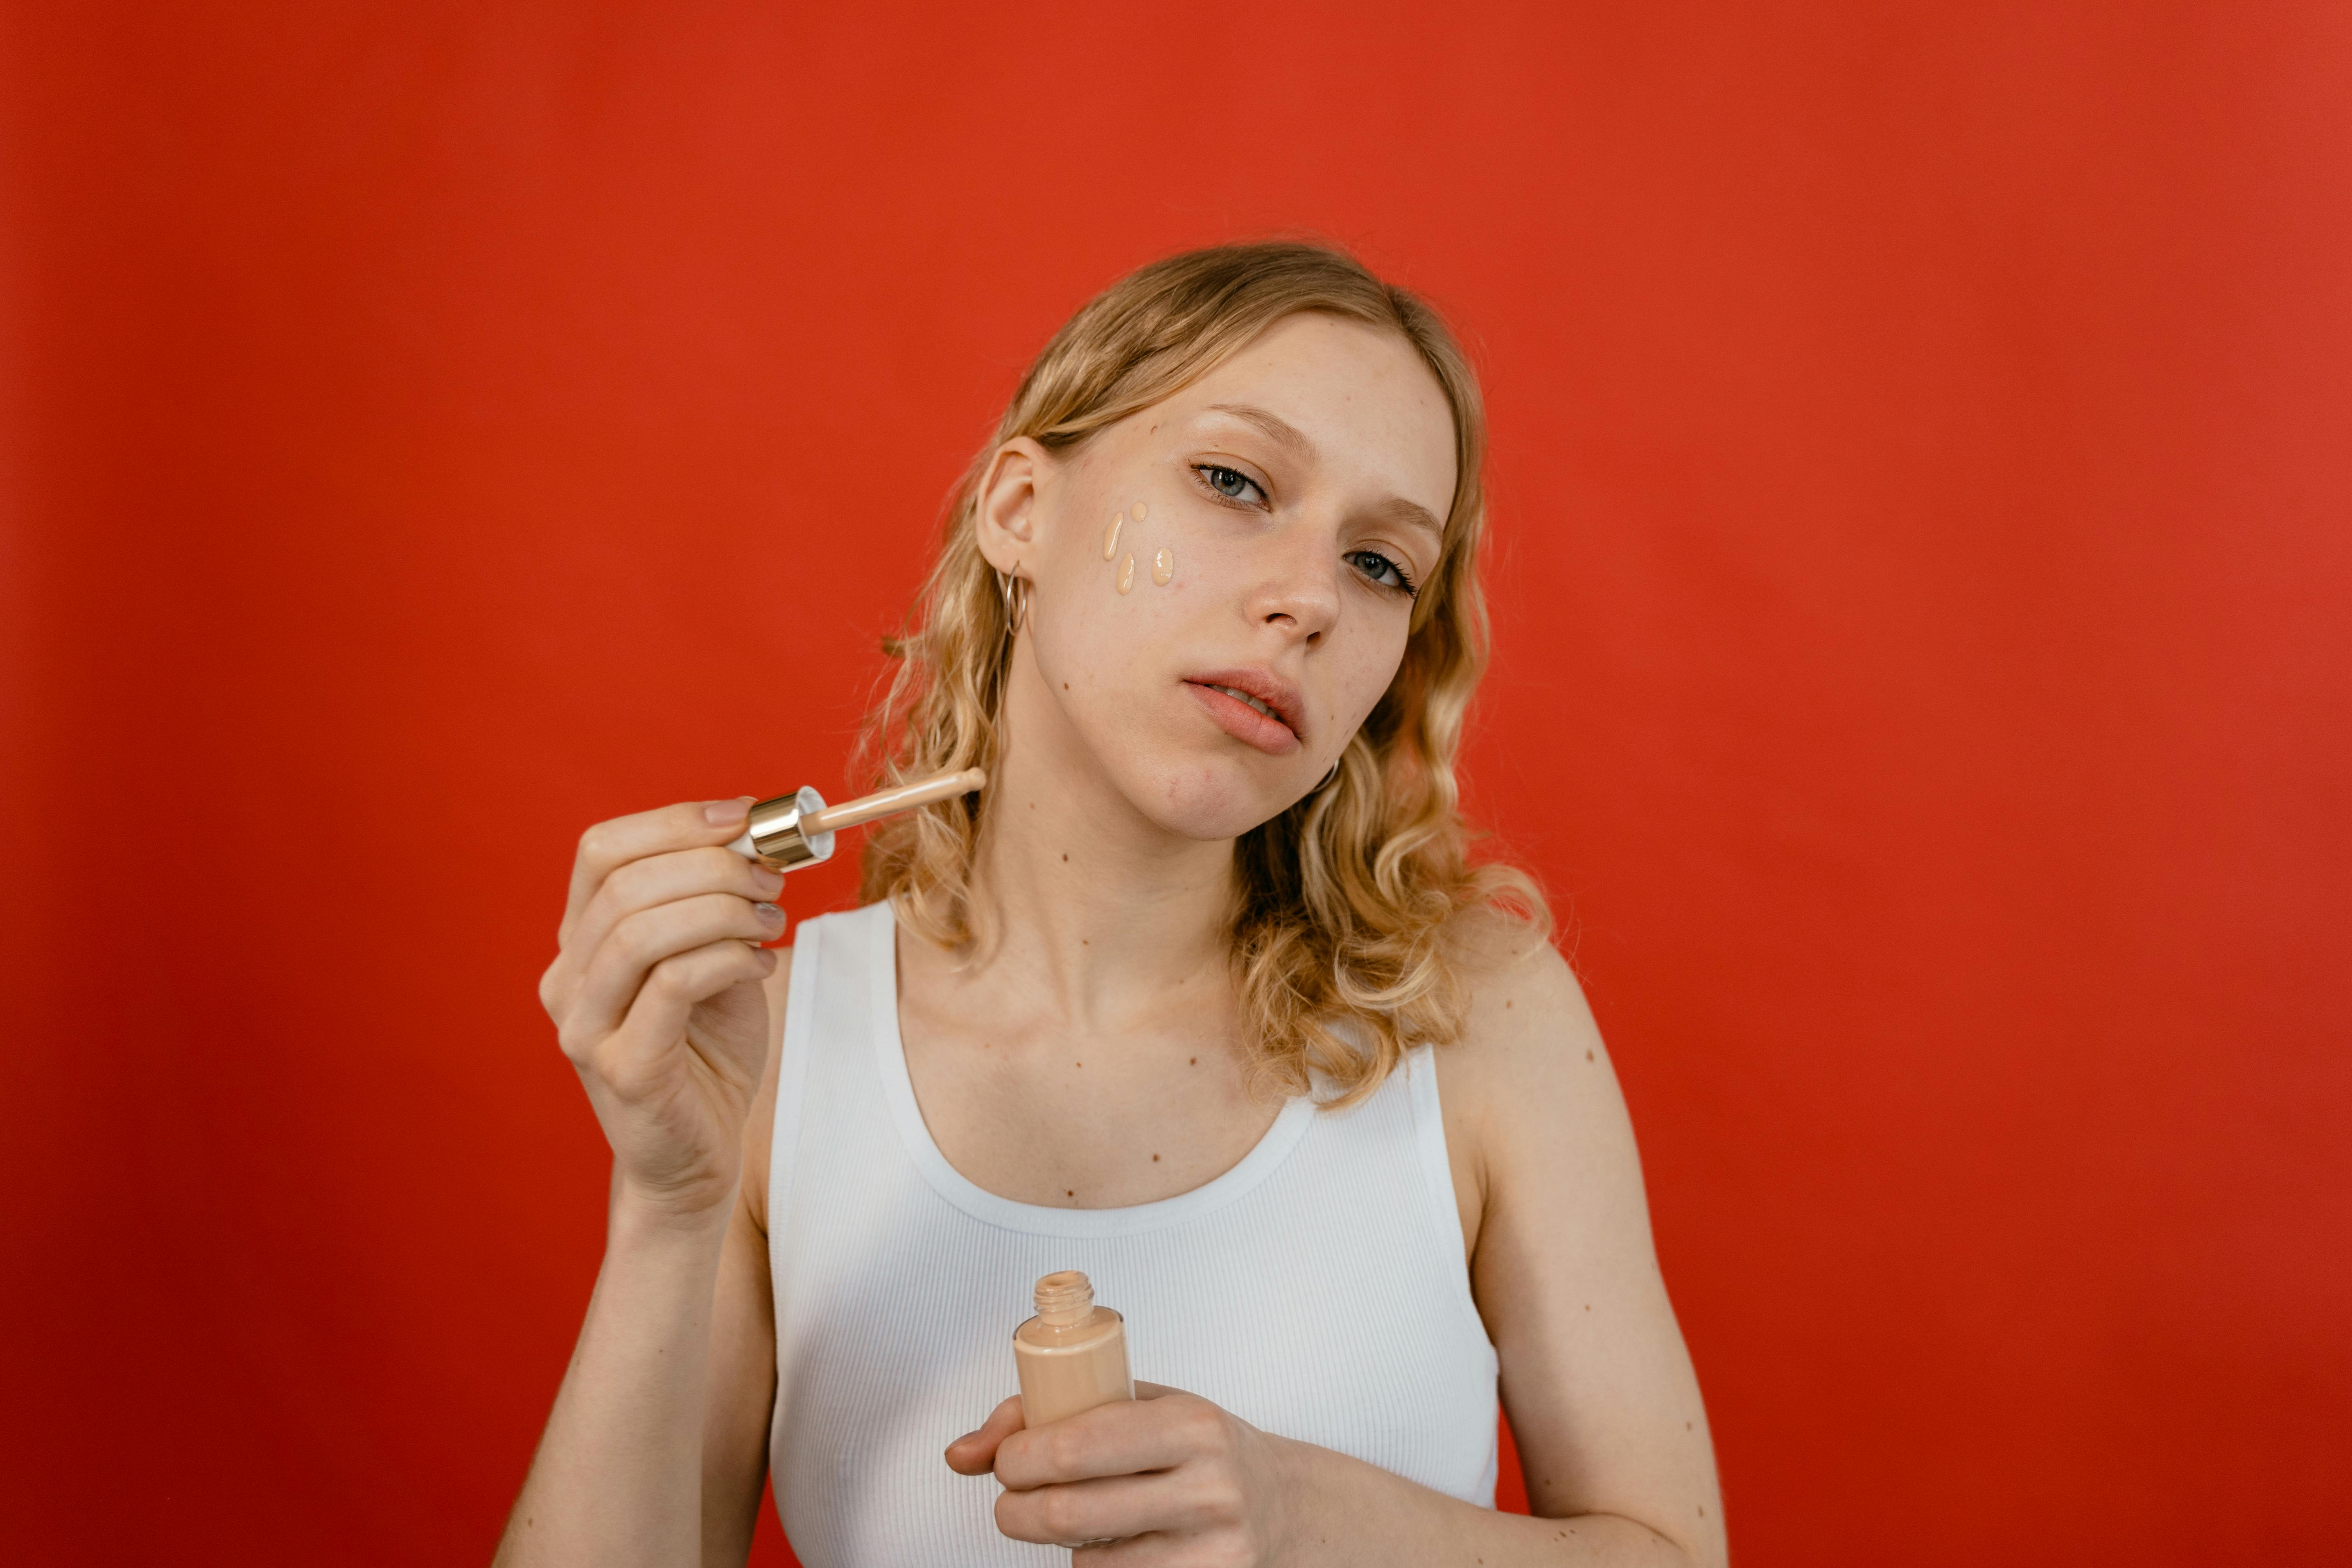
pixel 1344 1512
pixel 617 1478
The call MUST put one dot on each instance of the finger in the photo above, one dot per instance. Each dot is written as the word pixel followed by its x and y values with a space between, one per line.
pixel 1115 1507
pixel 666 878
pixel 974 1453
pixel 609 846
pixel 1151 1546
pixel 1116 1439
pixel 630 951
pixel 632 1058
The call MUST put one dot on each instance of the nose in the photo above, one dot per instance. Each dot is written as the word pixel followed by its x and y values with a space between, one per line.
pixel 1298 592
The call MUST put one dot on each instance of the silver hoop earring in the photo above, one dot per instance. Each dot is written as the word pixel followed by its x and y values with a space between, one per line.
pixel 1017 591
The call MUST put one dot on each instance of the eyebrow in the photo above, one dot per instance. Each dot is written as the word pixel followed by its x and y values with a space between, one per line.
pixel 1273 427
pixel 1283 433
pixel 1412 514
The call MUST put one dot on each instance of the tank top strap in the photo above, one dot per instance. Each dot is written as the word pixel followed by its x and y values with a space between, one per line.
pixel 1443 1210
pixel 831 959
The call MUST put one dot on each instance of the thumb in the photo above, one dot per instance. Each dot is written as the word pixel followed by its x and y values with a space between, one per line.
pixel 974 1453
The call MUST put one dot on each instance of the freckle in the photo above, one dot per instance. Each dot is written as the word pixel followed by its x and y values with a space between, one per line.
pixel 1127 574
pixel 1140 512
pixel 1685 1426
pixel 1069 1192
pixel 1588 1306
pixel 1082 1064
pixel 1066 686
pixel 1155 1159
pixel 1702 1511
pixel 1507 1007
pixel 1192 1062
pixel 1110 535
pixel 1588 1055
pixel 1163 566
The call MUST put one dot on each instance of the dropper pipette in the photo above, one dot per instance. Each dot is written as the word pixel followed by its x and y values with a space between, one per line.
pixel 794 830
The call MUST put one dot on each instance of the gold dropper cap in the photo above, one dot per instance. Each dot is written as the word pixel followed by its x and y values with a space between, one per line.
pixel 789 831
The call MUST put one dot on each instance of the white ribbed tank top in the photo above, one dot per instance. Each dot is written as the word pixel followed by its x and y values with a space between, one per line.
pixel 899 1285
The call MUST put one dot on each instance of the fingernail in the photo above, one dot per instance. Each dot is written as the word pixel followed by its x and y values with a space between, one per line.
pixel 965 1438
pixel 767 881
pixel 769 915
pixel 721 813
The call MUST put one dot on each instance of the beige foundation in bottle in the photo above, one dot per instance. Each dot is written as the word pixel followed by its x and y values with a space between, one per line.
pixel 1071 1354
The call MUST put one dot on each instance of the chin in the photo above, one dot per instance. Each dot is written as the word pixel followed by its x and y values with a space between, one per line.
pixel 1203 797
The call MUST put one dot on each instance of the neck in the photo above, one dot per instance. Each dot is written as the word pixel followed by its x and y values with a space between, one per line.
pixel 1098 912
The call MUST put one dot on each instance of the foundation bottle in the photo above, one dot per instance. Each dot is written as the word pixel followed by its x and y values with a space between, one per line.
pixel 1071 1354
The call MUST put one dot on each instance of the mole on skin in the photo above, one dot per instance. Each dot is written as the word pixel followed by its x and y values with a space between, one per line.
pixel 1127 574
pixel 1110 535
pixel 1163 566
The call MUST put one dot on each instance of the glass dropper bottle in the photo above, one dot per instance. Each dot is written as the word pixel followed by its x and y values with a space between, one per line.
pixel 789 831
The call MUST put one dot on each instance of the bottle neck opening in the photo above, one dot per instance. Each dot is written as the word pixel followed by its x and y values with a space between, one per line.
pixel 1065 1298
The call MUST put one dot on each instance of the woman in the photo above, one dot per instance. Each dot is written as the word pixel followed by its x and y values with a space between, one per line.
pixel 1198 997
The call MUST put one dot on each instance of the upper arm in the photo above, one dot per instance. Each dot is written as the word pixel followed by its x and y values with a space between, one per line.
pixel 743 1389
pixel 1602 1400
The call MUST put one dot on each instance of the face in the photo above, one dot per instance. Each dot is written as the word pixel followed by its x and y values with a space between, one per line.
pixel 1222 584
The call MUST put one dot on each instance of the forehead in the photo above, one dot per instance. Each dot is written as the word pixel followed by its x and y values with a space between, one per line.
pixel 1374 418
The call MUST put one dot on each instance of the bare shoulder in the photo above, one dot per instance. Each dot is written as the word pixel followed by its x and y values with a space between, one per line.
pixel 759 1121
pixel 1531 1103
pixel 1528 1033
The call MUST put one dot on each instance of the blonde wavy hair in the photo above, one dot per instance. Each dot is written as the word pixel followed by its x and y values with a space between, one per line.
pixel 1346 906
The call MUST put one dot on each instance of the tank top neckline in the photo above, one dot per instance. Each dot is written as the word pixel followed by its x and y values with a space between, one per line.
pixel 877 928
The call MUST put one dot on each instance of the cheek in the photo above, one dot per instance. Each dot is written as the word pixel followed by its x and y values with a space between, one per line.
pixel 1360 676
pixel 1094 634
pixel 1136 584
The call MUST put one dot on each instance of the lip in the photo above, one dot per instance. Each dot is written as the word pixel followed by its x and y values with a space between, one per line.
pixel 1277 737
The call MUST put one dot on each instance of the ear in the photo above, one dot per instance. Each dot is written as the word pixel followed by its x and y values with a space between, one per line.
pixel 1008 514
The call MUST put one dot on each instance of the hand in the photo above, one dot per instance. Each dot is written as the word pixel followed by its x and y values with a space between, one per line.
pixel 656 994
pixel 1166 1478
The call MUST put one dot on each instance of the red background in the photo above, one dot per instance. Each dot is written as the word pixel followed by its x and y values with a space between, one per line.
pixel 1922 463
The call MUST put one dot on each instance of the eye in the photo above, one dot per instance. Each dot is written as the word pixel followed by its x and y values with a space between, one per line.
pixel 1381 569
pixel 1230 483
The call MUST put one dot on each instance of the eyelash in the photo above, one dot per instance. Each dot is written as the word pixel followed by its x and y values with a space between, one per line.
pixel 1387 564
pixel 1208 469
pixel 1403 584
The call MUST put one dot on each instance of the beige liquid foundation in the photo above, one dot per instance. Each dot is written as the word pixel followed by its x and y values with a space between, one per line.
pixel 1072 1355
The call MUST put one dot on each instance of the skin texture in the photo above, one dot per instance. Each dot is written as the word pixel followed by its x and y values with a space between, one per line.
pixel 1090 1057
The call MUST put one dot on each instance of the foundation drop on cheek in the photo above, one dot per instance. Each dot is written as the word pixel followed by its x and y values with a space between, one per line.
pixel 1127 574
pixel 1163 566
pixel 1140 511
pixel 1072 1355
pixel 1110 535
